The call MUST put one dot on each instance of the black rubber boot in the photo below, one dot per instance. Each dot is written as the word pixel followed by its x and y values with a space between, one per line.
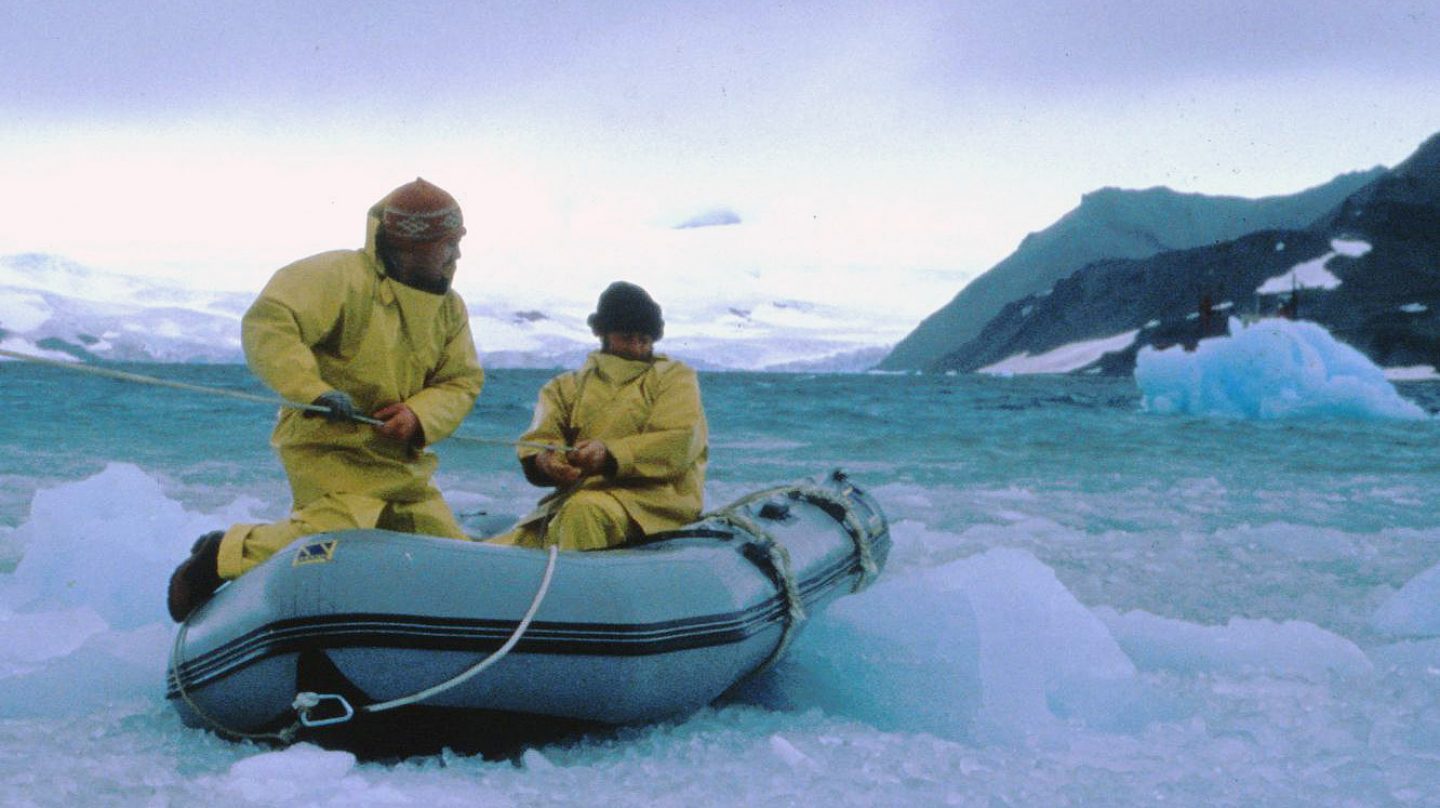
pixel 197 577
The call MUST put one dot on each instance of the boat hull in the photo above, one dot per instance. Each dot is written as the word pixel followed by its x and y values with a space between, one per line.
pixel 625 635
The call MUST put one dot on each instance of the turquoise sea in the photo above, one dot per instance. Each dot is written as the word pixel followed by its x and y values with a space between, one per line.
pixel 1087 603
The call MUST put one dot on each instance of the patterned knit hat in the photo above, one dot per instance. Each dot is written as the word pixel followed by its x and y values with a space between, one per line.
pixel 626 307
pixel 419 211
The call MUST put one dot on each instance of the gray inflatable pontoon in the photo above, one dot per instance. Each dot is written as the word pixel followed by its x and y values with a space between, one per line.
pixel 360 621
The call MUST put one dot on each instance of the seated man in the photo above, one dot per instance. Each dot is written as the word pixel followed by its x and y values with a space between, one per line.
pixel 638 432
pixel 376 331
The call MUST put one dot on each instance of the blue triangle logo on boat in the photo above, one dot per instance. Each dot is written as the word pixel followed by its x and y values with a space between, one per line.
pixel 316 552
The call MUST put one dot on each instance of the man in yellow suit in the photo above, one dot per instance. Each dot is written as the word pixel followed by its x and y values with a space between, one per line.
pixel 637 432
pixel 376 331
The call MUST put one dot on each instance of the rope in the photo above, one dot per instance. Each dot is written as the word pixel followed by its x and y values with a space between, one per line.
pixel 285 736
pixel 305 701
pixel 499 654
pixel 151 380
pixel 858 532
pixel 137 378
pixel 779 557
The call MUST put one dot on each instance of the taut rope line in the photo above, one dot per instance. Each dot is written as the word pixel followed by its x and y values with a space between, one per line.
pixel 215 391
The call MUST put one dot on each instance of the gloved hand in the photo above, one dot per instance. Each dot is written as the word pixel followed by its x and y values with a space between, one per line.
pixel 342 406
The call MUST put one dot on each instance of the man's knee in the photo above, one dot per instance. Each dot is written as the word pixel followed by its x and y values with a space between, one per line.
pixel 245 546
pixel 428 517
pixel 590 520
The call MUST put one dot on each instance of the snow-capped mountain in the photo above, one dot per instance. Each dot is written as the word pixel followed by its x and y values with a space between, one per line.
pixel 1110 223
pixel 1367 270
pixel 55 307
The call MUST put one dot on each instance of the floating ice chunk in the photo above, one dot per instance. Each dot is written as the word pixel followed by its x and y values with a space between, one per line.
pixel 792 757
pixel 28 639
pixel 1017 653
pixel 1038 647
pixel 1414 611
pixel 109 667
pixel 107 542
pixel 300 774
pixel 1291 648
pixel 1270 369
pixel 534 760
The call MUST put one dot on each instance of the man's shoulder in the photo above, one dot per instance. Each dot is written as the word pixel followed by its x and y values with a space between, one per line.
pixel 330 262
pixel 666 366
pixel 563 385
pixel 342 272
pixel 672 374
pixel 570 377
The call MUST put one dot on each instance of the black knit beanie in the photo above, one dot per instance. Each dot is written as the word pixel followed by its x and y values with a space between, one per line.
pixel 626 307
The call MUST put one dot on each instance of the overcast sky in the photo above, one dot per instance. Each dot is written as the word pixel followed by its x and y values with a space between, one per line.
pixel 865 153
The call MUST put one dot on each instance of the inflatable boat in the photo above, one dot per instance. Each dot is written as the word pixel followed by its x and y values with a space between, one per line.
pixel 341 627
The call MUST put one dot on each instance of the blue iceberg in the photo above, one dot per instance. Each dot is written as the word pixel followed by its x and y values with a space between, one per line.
pixel 1269 369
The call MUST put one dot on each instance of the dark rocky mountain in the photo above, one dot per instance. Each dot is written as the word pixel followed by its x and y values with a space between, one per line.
pixel 1110 224
pixel 1381 243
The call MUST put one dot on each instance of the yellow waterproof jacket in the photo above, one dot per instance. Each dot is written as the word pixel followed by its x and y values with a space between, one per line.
pixel 336 321
pixel 649 415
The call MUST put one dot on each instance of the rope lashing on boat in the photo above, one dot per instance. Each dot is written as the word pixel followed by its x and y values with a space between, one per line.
pixel 859 533
pixel 153 381
pixel 778 556
pixel 840 509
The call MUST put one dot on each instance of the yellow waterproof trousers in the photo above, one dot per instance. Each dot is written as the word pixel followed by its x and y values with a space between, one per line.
pixel 588 520
pixel 245 545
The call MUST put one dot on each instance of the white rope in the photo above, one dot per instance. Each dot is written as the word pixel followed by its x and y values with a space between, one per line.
pixel 286 735
pixel 305 701
pixel 137 378
pixel 151 380
pixel 499 654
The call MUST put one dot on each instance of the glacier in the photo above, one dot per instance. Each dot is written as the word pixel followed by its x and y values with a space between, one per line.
pixel 57 308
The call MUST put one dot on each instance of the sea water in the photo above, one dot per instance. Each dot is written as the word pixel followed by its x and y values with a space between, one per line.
pixel 1089 602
